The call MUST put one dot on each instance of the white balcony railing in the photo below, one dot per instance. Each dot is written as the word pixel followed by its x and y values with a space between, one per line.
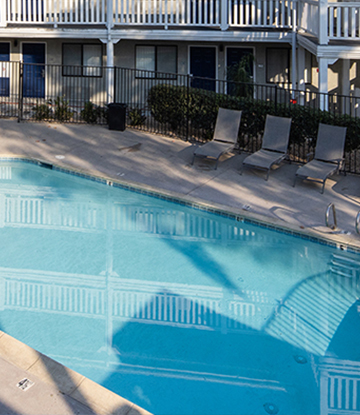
pixel 261 13
pixel 55 11
pixel 167 12
pixel 326 20
pixel 344 20
pixel 308 16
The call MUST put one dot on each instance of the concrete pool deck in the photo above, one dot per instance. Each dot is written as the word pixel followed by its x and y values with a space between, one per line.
pixel 161 163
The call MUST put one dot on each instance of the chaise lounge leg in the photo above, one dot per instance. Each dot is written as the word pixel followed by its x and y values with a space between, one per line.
pixel 192 163
pixel 323 187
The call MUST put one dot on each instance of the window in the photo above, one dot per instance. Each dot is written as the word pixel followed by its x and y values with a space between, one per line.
pixel 82 60
pixel 277 65
pixel 161 60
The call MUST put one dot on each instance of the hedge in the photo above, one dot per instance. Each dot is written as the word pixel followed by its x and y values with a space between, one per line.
pixel 178 105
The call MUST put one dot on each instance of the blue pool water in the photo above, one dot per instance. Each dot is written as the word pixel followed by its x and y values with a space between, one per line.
pixel 178 310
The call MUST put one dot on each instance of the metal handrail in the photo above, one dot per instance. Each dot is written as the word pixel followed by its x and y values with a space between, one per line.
pixel 357 223
pixel 331 207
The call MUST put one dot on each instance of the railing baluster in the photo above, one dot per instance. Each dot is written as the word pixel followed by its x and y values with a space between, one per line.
pixel 331 21
pixel 241 11
pixel 338 22
pixel 346 22
pixel 352 34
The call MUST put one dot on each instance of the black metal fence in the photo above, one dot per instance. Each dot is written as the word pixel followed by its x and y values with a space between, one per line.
pixel 80 94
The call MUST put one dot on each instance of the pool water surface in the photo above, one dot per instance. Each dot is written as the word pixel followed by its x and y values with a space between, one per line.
pixel 179 310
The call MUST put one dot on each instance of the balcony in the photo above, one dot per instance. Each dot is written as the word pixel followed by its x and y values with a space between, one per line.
pixel 328 21
pixel 322 19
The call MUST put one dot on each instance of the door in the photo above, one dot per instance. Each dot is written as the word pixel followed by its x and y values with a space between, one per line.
pixel 34 70
pixel 4 69
pixel 203 65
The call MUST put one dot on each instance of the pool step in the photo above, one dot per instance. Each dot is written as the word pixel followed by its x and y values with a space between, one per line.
pixel 312 312
pixel 345 267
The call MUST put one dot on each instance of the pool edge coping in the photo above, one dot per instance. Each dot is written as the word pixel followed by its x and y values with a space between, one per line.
pixel 92 395
pixel 337 240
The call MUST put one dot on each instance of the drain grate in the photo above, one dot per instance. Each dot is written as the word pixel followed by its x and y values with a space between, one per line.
pixel 25 384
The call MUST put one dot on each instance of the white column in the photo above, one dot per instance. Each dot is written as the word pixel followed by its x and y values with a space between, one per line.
pixel 323 83
pixel 2 13
pixel 293 64
pixel 110 16
pixel 345 85
pixel 110 69
pixel 109 66
pixel 323 22
pixel 301 74
pixel 224 25
pixel 293 50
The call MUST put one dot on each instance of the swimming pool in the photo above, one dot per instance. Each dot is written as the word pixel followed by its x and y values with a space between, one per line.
pixel 179 310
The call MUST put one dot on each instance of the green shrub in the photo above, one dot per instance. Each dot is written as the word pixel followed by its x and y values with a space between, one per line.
pixel 93 114
pixel 42 112
pixel 62 111
pixel 177 106
pixel 136 117
pixel 89 114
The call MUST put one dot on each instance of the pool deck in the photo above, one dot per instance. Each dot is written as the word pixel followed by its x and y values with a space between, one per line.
pixel 164 164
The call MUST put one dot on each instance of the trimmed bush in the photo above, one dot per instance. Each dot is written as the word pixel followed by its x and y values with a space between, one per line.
pixel 178 105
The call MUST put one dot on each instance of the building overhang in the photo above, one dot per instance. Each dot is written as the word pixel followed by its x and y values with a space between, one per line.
pixel 334 50
pixel 173 34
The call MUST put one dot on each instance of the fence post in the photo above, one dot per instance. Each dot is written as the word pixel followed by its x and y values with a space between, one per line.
pixel 21 86
pixel 115 83
pixel 187 105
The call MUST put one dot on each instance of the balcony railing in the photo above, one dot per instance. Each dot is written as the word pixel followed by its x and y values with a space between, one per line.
pixel 261 13
pixel 321 18
pixel 344 20
pixel 329 20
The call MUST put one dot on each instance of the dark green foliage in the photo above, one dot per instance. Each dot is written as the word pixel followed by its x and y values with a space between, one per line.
pixel 42 112
pixel 177 106
pixel 240 74
pixel 136 117
pixel 62 111
pixel 89 113
pixel 93 114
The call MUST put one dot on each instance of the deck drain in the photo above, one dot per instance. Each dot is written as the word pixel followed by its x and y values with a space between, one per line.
pixel 300 359
pixel 271 408
pixel 25 384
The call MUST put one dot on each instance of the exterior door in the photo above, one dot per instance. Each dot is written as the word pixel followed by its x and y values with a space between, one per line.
pixel 4 69
pixel 203 65
pixel 34 70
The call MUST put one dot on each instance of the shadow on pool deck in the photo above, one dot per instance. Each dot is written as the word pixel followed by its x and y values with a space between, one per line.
pixel 162 163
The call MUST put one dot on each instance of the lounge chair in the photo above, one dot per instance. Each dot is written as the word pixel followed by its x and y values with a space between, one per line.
pixel 329 152
pixel 225 136
pixel 274 144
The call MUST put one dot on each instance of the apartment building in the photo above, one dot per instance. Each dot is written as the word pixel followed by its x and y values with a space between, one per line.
pixel 305 44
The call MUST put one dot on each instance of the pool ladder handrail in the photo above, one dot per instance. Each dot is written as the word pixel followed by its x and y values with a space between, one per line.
pixel 331 207
pixel 357 222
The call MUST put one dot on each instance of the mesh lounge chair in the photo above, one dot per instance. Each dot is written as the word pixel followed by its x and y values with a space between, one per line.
pixel 274 144
pixel 328 157
pixel 225 136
